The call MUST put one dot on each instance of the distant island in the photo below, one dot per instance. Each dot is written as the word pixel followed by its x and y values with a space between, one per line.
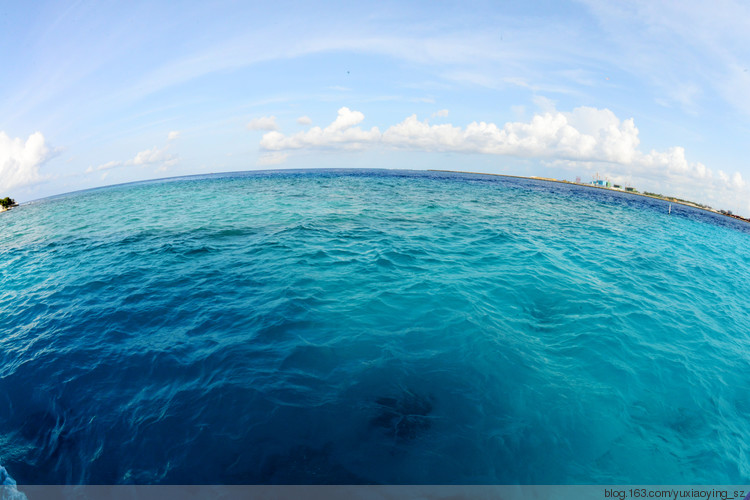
pixel 605 184
pixel 6 203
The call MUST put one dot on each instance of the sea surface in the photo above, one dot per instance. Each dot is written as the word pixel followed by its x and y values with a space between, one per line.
pixel 353 326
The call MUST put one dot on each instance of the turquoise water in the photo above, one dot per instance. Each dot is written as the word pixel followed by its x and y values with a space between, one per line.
pixel 372 327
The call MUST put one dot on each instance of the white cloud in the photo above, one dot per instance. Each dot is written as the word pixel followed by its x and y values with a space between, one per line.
pixel 263 123
pixel 173 135
pixel 160 158
pixel 734 181
pixel 153 155
pixel 274 158
pixel 603 137
pixel 738 181
pixel 341 133
pixel 20 161
pixel 304 120
pixel 440 114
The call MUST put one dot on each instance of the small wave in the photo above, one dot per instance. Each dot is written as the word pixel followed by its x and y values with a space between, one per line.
pixel 8 487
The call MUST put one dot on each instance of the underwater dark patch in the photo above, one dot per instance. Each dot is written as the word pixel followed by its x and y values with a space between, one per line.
pixel 404 417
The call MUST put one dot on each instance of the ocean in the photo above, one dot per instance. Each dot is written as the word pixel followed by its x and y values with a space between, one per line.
pixel 372 327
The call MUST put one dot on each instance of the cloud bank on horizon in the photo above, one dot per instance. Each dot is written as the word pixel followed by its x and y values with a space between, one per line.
pixel 585 137
pixel 240 86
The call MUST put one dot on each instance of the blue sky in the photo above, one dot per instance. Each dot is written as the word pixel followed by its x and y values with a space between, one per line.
pixel 651 94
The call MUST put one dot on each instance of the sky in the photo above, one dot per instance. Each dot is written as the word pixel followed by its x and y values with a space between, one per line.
pixel 649 94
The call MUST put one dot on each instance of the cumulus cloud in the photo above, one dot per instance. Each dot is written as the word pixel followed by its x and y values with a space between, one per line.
pixel 587 134
pixel 304 120
pixel 173 135
pixel 155 156
pixel 733 181
pixel 585 137
pixel 263 123
pixel 440 114
pixel 20 160
pixel 341 133
pixel 738 181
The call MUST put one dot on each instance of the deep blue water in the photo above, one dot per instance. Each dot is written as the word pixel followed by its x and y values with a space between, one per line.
pixel 372 327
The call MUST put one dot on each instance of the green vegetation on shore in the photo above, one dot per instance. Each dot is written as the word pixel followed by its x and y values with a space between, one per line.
pixel 7 202
pixel 679 200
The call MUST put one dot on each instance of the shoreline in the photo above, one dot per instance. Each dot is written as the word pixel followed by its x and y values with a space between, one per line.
pixel 549 179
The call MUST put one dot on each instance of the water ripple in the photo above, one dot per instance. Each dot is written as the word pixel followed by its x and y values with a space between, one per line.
pixel 371 327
